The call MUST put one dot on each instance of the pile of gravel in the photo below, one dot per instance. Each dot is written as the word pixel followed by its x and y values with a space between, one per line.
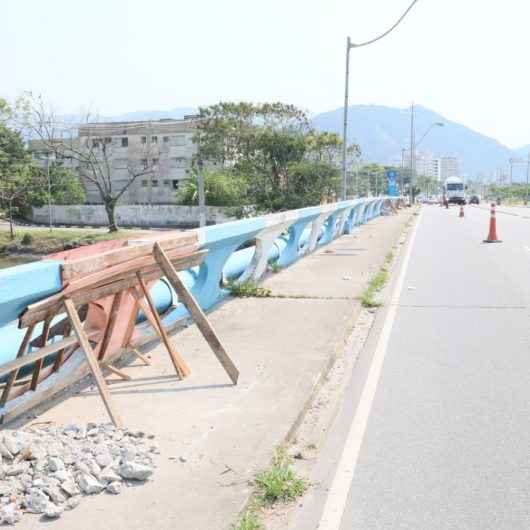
pixel 45 470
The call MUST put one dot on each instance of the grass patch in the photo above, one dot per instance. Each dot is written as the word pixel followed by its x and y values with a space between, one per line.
pixel 248 521
pixel 248 290
pixel 274 267
pixel 42 241
pixel 376 284
pixel 279 483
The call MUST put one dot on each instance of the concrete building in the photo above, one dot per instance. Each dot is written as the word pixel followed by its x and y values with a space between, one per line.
pixel 163 148
pixel 427 164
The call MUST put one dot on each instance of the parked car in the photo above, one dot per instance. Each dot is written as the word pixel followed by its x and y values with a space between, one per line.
pixel 474 199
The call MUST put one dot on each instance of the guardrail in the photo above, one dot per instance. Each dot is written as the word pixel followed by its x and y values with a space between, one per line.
pixel 237 251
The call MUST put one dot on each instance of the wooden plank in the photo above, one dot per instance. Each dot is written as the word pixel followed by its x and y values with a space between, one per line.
pixel 197 313
pixel 111 323
pixel 140 356
pixel 80 267
pixel 180 366
pixel 14 370
pixel 92 363
pixel 116 371
pixel 38 311
pixel 20 361
pixel 38 364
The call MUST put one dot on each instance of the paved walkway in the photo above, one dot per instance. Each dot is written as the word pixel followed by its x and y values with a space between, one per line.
pixel 225 433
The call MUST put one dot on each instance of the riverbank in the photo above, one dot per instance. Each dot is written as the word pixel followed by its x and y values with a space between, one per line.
pixel 32 242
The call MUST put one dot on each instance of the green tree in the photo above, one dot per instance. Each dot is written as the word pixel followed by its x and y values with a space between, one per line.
pixel 221 189
pixel 15 171
pixel 273 150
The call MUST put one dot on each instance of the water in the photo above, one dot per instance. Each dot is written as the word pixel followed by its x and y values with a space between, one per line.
pixel 11 261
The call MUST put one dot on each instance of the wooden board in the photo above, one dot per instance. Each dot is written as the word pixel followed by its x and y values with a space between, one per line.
pixel 92 363
pixel 39 311
pixel 197 313
pixel 81 267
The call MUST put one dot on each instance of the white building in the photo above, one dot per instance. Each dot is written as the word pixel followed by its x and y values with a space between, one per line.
pixel 164 146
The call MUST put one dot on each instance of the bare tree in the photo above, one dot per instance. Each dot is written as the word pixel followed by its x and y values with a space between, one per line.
pixel 92 155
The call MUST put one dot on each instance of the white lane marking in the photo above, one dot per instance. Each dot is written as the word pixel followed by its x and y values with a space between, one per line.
pixel 338 493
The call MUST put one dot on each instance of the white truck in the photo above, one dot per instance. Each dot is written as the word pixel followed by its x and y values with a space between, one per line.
pixel 454 190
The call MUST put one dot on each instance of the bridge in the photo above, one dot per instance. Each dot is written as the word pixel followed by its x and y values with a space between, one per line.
pixel 411 415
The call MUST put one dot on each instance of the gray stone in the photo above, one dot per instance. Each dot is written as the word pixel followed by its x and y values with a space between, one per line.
pixel 135 471
pixel 89 484
pixel 12 444
pixel 38 483
pixel 55 464
pixel 153 448
pixel 114 488
pixel 17 469
pixel 36 451
pixel 36 501
pixel 53 511
pixel 82 467
pixel 73 502
pixel 93 432
pixel 109 475
pixel 4 452
pixel 5 488
pixel 93 467
pixel 10 514
pixel 55 495
pixel 103 459
pixel 70 487
pixel 62 475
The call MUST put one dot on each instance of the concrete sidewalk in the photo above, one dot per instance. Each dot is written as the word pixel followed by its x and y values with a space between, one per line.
pixel 213 436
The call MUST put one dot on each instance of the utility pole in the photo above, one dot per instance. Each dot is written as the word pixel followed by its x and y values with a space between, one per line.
pixel 345 128
pixel 202 201
pixel 527 177
pixel 412 155
pixel 49 193
pixel 402 171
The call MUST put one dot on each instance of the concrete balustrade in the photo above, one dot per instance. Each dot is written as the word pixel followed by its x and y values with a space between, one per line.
pixel 237 251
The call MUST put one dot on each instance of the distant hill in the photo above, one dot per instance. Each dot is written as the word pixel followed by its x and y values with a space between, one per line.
pixel 383 131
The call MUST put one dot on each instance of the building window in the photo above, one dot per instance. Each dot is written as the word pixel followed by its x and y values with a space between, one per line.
pixel 166 139
pixel 175 184
pixel 166 183
pixel 154 183
pixel 125 142
pixel 144 183
pixel 154 139
pixel 144 140
pixel 108 139
pixel 179 140
pixel 178 161
pixel 154 161
pixel 144 163
pixel 95 143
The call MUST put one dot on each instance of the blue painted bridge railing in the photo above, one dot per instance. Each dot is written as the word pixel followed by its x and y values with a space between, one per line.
pixel 237 251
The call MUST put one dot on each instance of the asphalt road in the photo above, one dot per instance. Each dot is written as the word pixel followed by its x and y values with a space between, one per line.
pixel 434 432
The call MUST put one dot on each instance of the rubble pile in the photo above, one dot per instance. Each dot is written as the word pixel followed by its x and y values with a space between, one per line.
pixel 46 469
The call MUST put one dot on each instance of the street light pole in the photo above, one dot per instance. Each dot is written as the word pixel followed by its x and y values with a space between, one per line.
pixel 349 46
pixel 527 176
pixel 412 155
pixel 49 193
pixel 345 129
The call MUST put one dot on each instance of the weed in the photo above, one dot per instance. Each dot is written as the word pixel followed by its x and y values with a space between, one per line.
pixel 27 239
pixel 247 521
pixel 279 482
pixel 274 267
pixel 377 283
pixel 248 290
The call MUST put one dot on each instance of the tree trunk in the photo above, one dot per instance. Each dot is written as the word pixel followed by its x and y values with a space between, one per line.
pixel 110 208
pixel 11 230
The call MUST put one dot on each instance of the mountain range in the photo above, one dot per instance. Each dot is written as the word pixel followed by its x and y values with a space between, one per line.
pixel 383 131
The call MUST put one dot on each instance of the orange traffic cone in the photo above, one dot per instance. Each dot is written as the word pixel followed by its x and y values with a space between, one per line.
pixel 492 236
pixel 461 214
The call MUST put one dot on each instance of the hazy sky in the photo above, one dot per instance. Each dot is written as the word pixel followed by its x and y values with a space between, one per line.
pixel 463 58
